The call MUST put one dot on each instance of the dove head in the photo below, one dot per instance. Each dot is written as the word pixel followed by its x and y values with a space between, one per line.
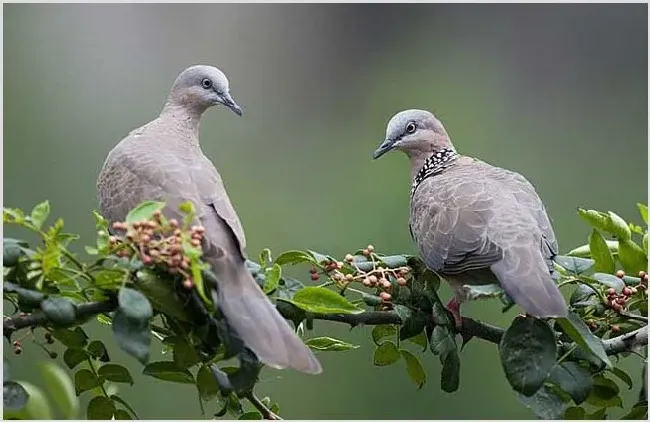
pixel 199 87
pixel 417 133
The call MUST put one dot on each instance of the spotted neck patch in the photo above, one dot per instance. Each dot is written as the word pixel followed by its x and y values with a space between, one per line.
pixel 432 165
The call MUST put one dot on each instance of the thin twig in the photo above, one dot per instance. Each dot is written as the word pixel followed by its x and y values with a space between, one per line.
pixel 265 411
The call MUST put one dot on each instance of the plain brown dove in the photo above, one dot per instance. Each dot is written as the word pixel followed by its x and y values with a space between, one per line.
pixel 475 223
pixel 162 160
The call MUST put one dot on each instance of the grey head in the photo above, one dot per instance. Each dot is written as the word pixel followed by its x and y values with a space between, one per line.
pixel 415 132
pixel 199 87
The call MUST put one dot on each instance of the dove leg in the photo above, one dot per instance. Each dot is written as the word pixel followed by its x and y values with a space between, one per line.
pixel 454 307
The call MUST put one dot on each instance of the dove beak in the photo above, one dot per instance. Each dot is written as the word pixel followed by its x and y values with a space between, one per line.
pixel 227 100
pixel 385 147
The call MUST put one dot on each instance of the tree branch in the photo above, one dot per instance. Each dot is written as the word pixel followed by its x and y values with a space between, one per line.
pixel 261 407
pixel 627 342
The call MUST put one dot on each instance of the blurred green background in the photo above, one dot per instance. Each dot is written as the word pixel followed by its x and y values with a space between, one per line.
pixel 556 92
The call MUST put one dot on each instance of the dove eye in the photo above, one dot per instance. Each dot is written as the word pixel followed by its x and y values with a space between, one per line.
pixel 206 83
pixel 410 128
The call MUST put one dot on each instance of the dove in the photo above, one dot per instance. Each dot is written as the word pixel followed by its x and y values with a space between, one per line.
pixel 163 161
pixel 475 223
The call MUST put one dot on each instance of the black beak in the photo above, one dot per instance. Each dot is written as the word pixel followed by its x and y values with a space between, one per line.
pixel 227 100
pixel 385 147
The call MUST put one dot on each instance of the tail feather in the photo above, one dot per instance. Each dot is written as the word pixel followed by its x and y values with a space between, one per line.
pixel 259 324
pixel 524 275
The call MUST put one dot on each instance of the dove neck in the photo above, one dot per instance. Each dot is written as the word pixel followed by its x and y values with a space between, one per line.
pixel 433 164
pixel 184 119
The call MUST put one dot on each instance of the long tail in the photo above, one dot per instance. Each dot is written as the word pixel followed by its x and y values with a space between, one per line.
pixel 524 275
pixel 258 323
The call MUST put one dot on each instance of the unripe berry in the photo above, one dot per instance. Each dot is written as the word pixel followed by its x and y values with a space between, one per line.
pixel 621 300
pixel 385 283
pixel 610 292
pixel 367 282
pixel 349 277
pixel 173 223
pixel 338 277
pixel 641 274
pixel 370 248
pixel 157 215
pixel 146 260
pixel 615 328
pixel 112 240
pixel 627 291
pixel 145 238
pixel 349 258
pixel 372 279
pixel 633 290
pixel 366 252
pixel 620 273
pixel 615 306
pixel 196 242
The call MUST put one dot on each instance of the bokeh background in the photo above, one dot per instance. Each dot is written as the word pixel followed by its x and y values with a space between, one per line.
pixel 556 92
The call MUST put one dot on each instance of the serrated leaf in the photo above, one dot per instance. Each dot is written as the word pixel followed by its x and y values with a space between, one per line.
pixel 59 310
pixel 132 336
pixel 381 331
pixel 100 408
pixel 578 331
pixel 61 389
pixel 572 378
pixel 329 344
pixel 323 301
pixel 73 357
pixel 206 384
pixel 134 305
pixel 386 353
pixel 168 371
pixel 40 213
pixel 574 264
pixel 144 211
pixel 115 373
pixel 619 227
pixel 75 339
pixel 272 278
pixel 414 368
pixel 97 350
pixel 293 258
pixel 600 253
pixel 85 380
pixel 110 278
pixel 528 351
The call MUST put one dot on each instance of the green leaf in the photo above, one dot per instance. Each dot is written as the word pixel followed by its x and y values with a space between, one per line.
pixel 597 219
pixel 100 408
pixel 619 228
pixel 329 344
pixel 381 331
pixel 386 353
pixel 639 411
pixel 120 400
pixel 110 278
pixel 121 414
pixel 272 275
pixel 643 210
pixel 115 373
pixel 294 257
pixel 144 211
pixel 14 396
pixel 73 357
pixel 185 356
pixel 573 379
pixel 161 295
pixel 450 374
pixel 37 406
pixel 604 393
pixel 60 387
pixel 40 213
pixel 527 351
pixel 323 301
pixel 420 340
pixel 59 310
pixel 288 287
pixel 394 261
pixel 609 281
pixel 574 413
pixel 631 256
pixel 132 336
pixel 97 350
pixel 623 376
pixel 265 257
pixel 371 300
pixel 251 416
pixel 574 264
pixel 414 368
pixel 545 403
pixel 585 252
pixel 482 291
pixel 85 380
pixel 442 341
pixel 168 371
pixel 319 258
pixel 74 339
pixel 206 384
pixel 134 305
pixel 645 243
pixel 578 331
pixel 600 253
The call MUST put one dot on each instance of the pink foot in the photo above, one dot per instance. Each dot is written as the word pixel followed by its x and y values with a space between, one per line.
pixel 454 307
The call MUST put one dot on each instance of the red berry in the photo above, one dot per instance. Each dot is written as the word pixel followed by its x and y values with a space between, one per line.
pixel 615 328
pixel 367 282
pixel 385 296
pixel 615 306
pixel 188 283
pixel 313 270
pixel 621 300
pixel 401 281
pixel 627 291
pixel 315 276
pixel 146 260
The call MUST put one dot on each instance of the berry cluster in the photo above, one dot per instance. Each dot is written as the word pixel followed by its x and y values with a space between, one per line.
pixel 18 344
pixel 380 278
pixel 158 242
pixel 617 301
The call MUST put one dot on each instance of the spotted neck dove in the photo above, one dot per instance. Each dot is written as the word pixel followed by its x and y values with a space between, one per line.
pixel 475 223
pixel 163 160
